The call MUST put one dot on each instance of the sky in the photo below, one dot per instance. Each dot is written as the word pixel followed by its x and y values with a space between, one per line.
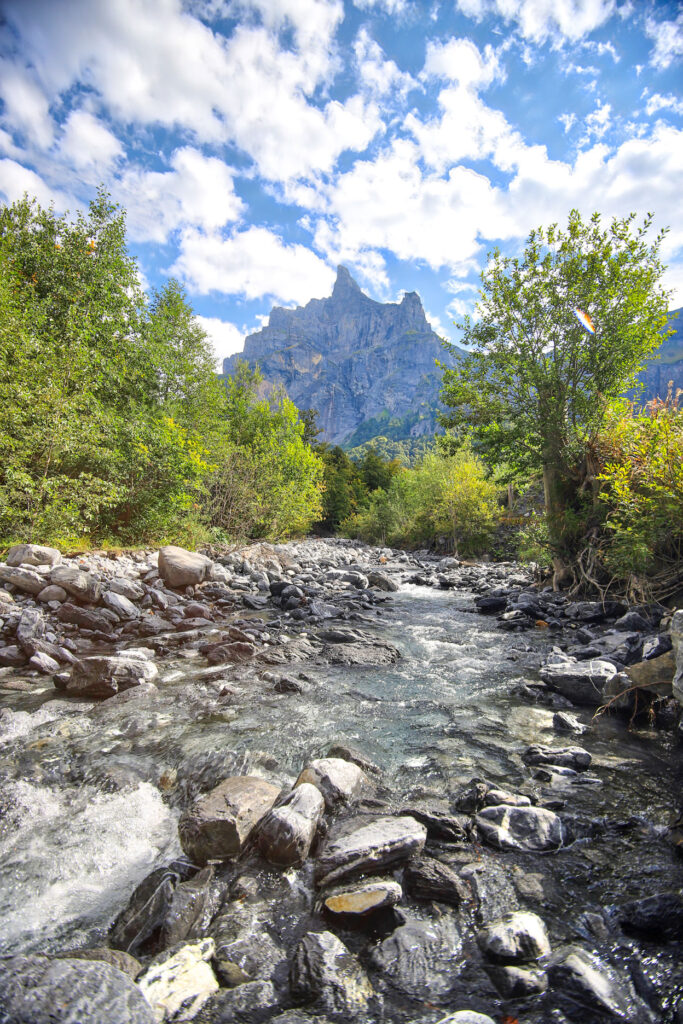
pixel 257 144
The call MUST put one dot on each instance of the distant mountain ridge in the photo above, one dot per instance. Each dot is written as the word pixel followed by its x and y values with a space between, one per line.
pixel 352 358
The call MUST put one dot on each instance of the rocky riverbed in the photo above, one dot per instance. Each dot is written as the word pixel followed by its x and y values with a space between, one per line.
pixel 322 781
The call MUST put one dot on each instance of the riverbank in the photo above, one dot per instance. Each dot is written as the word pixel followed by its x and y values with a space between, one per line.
pixel 283 660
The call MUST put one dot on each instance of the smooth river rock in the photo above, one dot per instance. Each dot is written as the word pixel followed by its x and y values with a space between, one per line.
pixel 586 985
pixel 79 584
pixel 38 990
pixel 428 879
pixel 521 828
pixel 364 844
pixel 339 781
pixel 217 826
pixel 33 554
pixel 286 833
pixel 326 973
pixel 565 757
pixel 23 579
pixel 181 568
pixel 420 958
pixel 360 898
pixel 104 676
pixel 582 682
pixel 518 936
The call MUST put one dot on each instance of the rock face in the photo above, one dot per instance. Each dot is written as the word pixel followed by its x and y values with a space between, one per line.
pixel 68 991
pixel 351 358
pixel 217 826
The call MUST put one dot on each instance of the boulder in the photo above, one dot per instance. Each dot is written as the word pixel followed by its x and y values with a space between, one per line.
pixel 84 617
pixel 466 1017
pixel 419 958
pixel 79 584
pixel 286 833
pixel 381 581
pixel 564 757
pixel 251 1001
pixel 12 656
pixel 518 936
pixel 181 568
pixel 517 982
pixel 660 915
pixel 114 957
pixel 122 606
pixel 104 676
pixel 217 826
pixel 326 973
pixel 148 907
pixel 521 828
pixel 588 985
pixel 44 663
pixel 33 554
pixel 582 682
pixel 220 654
pixel 361 898
pixel 178 983
pixel 127 588
pixel 52 593
pixel 451 828
pixel 23 579
pixel 564 722
pixel 31 627
pixel 655 674
pixel 368 844
pixel 190 908
pixel 339 781
pixel 41 990
pixel 245 950
pixel 429 879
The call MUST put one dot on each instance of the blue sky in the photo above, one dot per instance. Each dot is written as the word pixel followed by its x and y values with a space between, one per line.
pixel 256 144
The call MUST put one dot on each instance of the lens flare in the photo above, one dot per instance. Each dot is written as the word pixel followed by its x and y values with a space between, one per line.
pixel 584 320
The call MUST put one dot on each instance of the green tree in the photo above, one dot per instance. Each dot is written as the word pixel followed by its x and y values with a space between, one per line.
pixel 535 386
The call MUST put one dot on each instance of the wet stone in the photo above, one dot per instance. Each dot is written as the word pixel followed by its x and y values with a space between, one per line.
pixel 582 681
pixel 217 826
pixel 105 676
pixel 364 844
pixel 521 828
pixel 582 982
pixel 451 828
pixel 429 879
pixel 339 781
pixel 148 907
pixel 248 1003
pixel 660 915
pixel 287 831
pixel 420 958
pixel 563 757
pixel 563 721
pixel 178 983
pixel 363 897
pixel 190 908
pixel 326 973
pixel 519 936
pixel 518 982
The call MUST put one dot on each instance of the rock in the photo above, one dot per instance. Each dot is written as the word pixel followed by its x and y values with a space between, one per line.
pixel 339 781
pixel 419 957
pixel 94 620
pixel 582 682
pixel 519 936
pixel 587 984
pixel 245 950
pixel 655 674
pixel 181 568
pixel 564 722
pixel 79 584
pixel 104 676
pixel 40 990
pixel 33 554
pixel 252 1001
pixel 236 652
pixel 324 972
pixel 366 844
pixel 177 984
pixel 12 657
pixel 355 756
pixel 429 879
pixel 31 627
pixel 466 1017
pixel 633 621
pixel 363 897
pixel 23 579
pixel 114 957
pixel 495 797
pixel 564 757
pixel 127 588
pixel 190 908
pixel 375 652
pixel 518 982
pixel 287 685
pixel 148 907
pixel 451 828
pixel 677 645
pixel 660 915
pixel 119 604
pixel 381 581
pixel 6 600
pixel 217 826
pixel 52 593
pixel 44 663
pixel 286 833
pixel 521 828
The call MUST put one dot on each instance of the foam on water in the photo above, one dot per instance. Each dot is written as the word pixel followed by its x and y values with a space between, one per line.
pixel 71 857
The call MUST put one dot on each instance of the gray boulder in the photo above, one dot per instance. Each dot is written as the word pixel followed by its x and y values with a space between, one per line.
pixel 368 844
pixel 104 676
pixel 517 982
pixel 178 983
pixel 419 958
pixel 521 828
pixel 518 936
pixel 286 833
pixel 585 984
pixel 38 990
pixel 339 781
pixel 79 584
pixel 33 554
pixel 52 593
pixel 251 1001
pixel 326 973
pixel 217 826
pixel 582 682
pixel 127 588
pixel 381 581
pixel 565 757
pixel 31 627
pixel 122 606
pixel 86 618
pixel 23 579
pixel 181 568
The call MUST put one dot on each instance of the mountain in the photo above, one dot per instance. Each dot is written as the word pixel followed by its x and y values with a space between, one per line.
pixel 352 359
pixel 669 364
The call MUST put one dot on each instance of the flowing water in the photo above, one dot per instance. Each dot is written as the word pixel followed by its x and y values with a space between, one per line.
pixel 90 794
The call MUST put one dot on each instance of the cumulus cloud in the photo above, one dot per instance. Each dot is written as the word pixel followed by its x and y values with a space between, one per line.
pixel 461 61
pixel 27 109
pixel 543 20
pixel 15 179
pixel 657 102
pixel 225 337
pixel 87 144
pixel 255 263
pixel 668 40
pixel 377 74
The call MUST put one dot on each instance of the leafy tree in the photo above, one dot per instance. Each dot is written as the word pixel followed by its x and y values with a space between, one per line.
pixel 375 472
pixel 344 488
pixel 535 386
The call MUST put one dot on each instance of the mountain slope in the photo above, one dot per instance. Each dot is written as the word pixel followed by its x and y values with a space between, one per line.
pixel 352 359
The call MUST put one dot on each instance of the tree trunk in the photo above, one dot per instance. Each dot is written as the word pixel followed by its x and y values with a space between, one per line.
pixel 554 510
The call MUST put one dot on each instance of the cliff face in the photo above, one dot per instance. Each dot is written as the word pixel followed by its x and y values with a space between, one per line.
pixel 669 365
pixel 351 358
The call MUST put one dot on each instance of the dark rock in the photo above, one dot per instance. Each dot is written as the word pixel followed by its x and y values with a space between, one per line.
pixel 286 833
pixel 286 685
pixel 249 1003
pixel 633 621
pixel 564 757
pixel 473 797
pixel 114 957
pixel 324 972
pixel 518 982
pixel 490 604
pixel 38 990
pixel 582 982
pixel 104 676
pixel 31 627
pixel 451 828
pixel 245 950
pixel 93 620
pixel 190 908
pixel 234 652
pixel 217 826
pixel 367 844
pixel 381 581
pixel 564 722
pixel 148 907
pixel 521 828
pixel 660 915
pixel 429 879
pixel 516 937
pixel 12 657
pixel 582 682
pixel 419 957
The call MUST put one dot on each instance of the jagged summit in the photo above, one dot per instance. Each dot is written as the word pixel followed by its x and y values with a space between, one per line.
pixel 351 358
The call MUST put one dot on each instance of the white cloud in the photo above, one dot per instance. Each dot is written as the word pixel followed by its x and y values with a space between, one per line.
pixel 668 40
pixel 27 110
pixel 87 144
pixel 542 20
pixel 391 7
pixel 658 102
pixel 567 121
pixel 225 337
pixel 15 179
pixel 198 191
pixel 461 61
pixel 597 123
pixel 254 263
pixel 437 326
pixel 377 74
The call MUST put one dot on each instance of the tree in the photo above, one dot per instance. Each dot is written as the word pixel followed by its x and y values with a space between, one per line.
pixel 535 385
